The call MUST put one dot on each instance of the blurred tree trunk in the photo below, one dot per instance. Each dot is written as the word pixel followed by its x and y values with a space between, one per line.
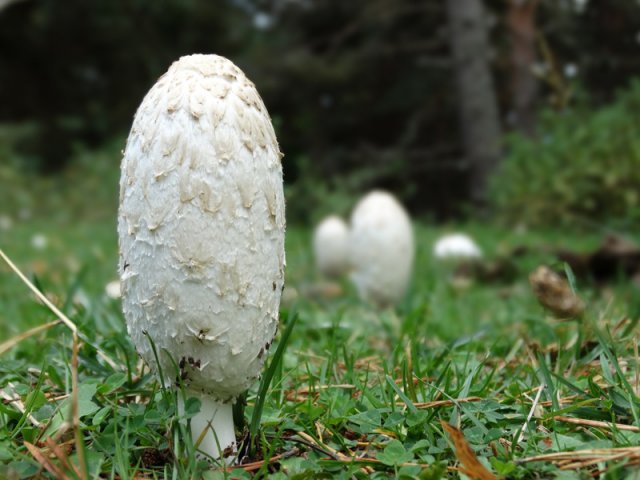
pixel 521 24
pixel 478 109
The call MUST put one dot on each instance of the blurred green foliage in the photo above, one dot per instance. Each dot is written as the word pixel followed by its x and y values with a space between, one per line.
pixel 583 169
pixel 77 70
pixel 351 86
pixel 85 190
pixel 360 92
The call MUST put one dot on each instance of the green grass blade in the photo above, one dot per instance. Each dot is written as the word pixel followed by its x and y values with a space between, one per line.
pixel 268 376
pixel 571 278
pixel 401 394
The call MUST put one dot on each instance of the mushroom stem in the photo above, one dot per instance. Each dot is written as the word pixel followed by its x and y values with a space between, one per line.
pixel 215 419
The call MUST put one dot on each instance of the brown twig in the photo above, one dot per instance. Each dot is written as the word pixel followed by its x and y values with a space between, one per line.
pixel 12 342
pixel 51 467
pixel 253 466
pixel 596 423
pixel 63 318
pixel 596 454
pixel 61 455
pixel 443 403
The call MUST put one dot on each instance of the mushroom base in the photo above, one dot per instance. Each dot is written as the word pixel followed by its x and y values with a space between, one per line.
pixel 212 429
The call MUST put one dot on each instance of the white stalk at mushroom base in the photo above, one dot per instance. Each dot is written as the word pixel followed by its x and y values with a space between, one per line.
pixel 212 429
pixel 201 232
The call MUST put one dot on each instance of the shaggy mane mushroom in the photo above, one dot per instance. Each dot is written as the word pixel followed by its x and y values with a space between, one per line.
pixel 201 233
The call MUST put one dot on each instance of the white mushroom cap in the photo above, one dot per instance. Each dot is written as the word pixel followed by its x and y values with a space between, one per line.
pixel 201 227
pixel 381 248
pixel 331 246
pixel 456 246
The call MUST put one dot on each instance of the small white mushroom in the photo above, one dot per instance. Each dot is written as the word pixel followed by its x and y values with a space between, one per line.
pixel 201 232
pixel 6 223
pixel 381 248
pixel 456 246
pixel 39 241
pixel 112 289
pixel 331 246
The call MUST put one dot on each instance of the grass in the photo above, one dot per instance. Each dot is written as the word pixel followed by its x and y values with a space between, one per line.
pixel 358 393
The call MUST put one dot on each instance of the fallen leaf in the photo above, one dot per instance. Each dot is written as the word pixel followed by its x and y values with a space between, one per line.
pixel 51 467
pixel 555 294
pixel 471 466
